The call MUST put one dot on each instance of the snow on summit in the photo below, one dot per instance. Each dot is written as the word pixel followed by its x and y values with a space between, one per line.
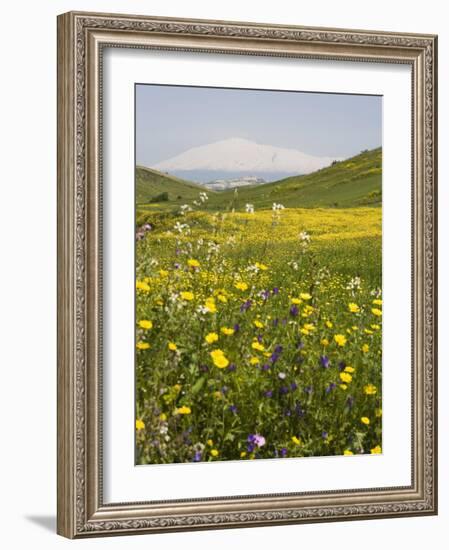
pixel 242 155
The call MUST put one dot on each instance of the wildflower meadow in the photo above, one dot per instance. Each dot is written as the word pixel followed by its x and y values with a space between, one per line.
pixel 258 331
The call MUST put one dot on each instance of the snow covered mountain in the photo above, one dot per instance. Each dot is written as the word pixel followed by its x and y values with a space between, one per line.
pixel 238 157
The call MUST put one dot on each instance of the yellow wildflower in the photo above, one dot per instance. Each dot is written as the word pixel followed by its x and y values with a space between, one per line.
pixel 210 305
pixel 349 369
pixel 365 348
pixel 143 345
pixel 193 263
pixel 353 308
pixel 377 450
pixel 163 417
pixel 222 298
pixel 343 387
pixel 296 301
pixel 210 442
pixel 345 377
pixel 172 346
pixel 241 286
pixel 262 267
pixel 368 331
pixel 183 410
pixel 364 420
pixel 377 312
pixel 347 452
pixel 296 440
pixel 370 389
pixel 214 452
pixel 227 330
pixel 145 324
pixel 305 296
pixel 325 342
pixel 375 327
pixel 254 361
pixel 258 324
pixel 141 285
pixel 309 326
pixel 187 295
pixel 163 273
pixel 329 324
pixel 219 358
pixel 211 337
pixel 140 424
pixel 243 454
pixel 258 346
pixel 340 339
pixel 377 302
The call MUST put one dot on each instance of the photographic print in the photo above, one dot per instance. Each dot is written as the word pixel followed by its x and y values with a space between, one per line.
pixel 258 301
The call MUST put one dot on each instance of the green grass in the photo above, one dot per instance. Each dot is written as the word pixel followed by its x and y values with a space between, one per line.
pixel 351 183
pixel 151 183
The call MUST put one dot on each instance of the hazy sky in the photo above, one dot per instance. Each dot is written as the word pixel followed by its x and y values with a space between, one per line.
pixel 172 119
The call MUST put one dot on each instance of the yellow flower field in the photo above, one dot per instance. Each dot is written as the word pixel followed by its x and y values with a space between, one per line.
pixel 258 335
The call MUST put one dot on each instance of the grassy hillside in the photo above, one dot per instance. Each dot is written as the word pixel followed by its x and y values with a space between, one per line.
pixel 354 182
pixel 151 185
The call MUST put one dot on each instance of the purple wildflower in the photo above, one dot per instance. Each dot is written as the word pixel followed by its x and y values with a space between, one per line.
pixel 197 457
pixel 236 327
pixel 275 290
pixel 342 365
pixel 256 440
pixel 265 367
pixel 331 387
pixel 232 367
pixel 324 360
pixel 293 386
pixel 265 294
pixel 324 435
pixel 246 305
pixel 294 311
pixel 283 452
pixel 274 357
pixel 287 412
pixel 268 393
pixel 276 322
pixel 278 349
pixel 283 390
pixel 233 409
pixel 259 338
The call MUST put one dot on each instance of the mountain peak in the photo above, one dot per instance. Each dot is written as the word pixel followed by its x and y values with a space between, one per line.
pixel 237 154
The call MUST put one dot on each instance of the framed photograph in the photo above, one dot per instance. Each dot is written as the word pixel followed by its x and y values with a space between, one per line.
pixel 246 274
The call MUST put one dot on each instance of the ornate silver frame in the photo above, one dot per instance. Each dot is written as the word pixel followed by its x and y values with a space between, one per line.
pixel 81 39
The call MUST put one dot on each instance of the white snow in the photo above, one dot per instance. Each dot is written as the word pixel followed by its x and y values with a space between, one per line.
pixel 242 155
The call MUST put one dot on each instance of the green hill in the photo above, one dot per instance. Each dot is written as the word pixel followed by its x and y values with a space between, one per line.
pixel 353 182
pixel 155 187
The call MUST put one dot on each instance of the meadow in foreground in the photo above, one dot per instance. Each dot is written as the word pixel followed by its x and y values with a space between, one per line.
pixel 258 333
